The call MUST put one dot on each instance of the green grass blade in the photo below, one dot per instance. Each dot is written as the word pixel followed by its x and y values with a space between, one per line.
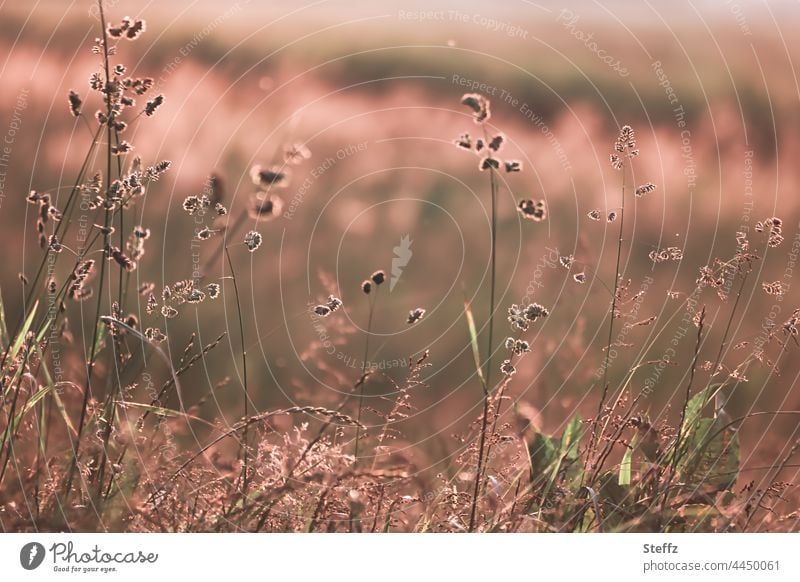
pixel 473 338
pixel 23 332
pixel 3 327
pixel 625 467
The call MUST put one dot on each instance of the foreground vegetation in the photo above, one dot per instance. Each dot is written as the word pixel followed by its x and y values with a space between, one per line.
pixel 88 441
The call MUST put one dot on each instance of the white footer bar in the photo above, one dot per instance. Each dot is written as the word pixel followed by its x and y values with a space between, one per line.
pixel 401 557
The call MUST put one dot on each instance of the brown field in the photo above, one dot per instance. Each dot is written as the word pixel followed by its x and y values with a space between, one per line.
pixel 650 395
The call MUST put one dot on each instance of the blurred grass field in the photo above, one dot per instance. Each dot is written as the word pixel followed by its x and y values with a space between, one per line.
pixel 376 93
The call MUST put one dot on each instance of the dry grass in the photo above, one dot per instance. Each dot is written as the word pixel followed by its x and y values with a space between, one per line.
pixel 91 442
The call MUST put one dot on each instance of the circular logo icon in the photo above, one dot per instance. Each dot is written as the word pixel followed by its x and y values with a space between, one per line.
pixel 31 555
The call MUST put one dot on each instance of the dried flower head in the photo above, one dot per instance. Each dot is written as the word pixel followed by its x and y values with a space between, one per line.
pixel 75 103
pixel 195 204
pixel 366 286
pixel 741 241
pixel 275 176
pixel 253 240
pixel 774 227
pixel 169 312
pixel 54 245
pixel 496 142
pixel 513 166
pixel 378 277
pixel 489 164
pixel 205 233
pixel 296 153
pixel 532 210
pixel 594 214
pixel 415 315
pixel 151 106
pixel 479 105
pixel 579 277
pixel 214 290
pixel 152 304
pixel 195 296
pixel 667 254
pixel 123 147
pixel 517 346
pixel 115 254
pixel 773 288
pixel 128 28
pixel 624 147
pixel 706 277
pixel 155 335
pixel 612 216
pixel 464 141
pixel 521 317
pixel 322 310
pixel 645 189
pixel 791 324
pixel 626 141
pixel 507 368
pixel 333 303
pixel 265 206
pixel 567 261
pixel 141 232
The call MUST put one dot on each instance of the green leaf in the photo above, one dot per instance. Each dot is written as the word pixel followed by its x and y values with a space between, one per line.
pixel 571 439
pixel 100 338
pixel 694 408
pixel 712 456
pixel 543 451
pixel 625 467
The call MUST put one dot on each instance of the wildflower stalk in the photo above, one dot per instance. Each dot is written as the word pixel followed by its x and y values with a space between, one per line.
pixel 101 282
pixel 625 150
pixel 493 264
pixel 607 363
pixel 363 373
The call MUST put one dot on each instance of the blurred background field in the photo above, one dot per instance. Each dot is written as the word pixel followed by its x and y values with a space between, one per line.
pixel 373 91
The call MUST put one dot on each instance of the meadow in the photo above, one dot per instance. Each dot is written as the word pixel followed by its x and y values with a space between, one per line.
pixel 373 269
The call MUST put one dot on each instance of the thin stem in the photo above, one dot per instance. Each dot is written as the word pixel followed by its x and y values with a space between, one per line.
pixel 244 369
pixel 363 373
pixel 492 265
pixel 613 298
pixel 607 359
pixel 719 399
pixel 479 469
pixel 676 452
